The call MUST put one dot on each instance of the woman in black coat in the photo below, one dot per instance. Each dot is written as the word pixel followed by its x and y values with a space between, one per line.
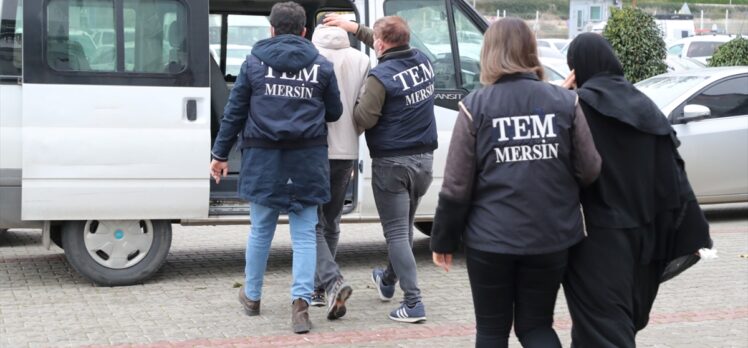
pixel 520 150
pixel 640 213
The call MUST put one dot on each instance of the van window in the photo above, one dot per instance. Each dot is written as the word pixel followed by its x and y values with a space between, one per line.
pixel 469 41
pixel 428 33
pixel 11 34
pixel 242 33
pixel 155 36
pixel 70 24
pixel 82 36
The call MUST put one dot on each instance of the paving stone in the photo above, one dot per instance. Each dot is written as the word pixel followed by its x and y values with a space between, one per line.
pixel 191 301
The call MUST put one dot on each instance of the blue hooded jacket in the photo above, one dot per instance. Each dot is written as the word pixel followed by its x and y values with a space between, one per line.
pixel 282 99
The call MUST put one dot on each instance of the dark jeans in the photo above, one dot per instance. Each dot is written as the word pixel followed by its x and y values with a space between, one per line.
pixel 519 288
pixel 328 225
pixel 398 184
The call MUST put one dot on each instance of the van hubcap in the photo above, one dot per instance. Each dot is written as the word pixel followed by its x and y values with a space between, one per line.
pixel 118 244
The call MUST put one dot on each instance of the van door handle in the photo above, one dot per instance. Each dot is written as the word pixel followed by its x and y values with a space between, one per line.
pixel 191 110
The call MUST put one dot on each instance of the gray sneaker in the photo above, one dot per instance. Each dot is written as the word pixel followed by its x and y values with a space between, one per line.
pixel 407 314
pixel 318 298
pixel 336 299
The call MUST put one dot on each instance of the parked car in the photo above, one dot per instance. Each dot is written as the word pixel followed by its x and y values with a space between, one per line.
pixel 675 63
pixel 709 110
pixel 556 70
pixel 545 52
pixel 556 44
pixel 235 56
pixel 700 48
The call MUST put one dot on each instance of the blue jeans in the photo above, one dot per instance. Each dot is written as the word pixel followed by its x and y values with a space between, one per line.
pixel 303 239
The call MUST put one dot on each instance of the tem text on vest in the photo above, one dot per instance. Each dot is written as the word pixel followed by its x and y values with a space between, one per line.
pixel 278 85
pixel 414 77
pixel 537 132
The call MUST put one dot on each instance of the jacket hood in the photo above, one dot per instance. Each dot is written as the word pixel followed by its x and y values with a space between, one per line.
pixel 330 38
pixel 285 53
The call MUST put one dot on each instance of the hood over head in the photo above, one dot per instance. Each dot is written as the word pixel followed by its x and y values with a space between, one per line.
pixel 590 54
pixel 601 84
pixel 286 53
pixel 330 37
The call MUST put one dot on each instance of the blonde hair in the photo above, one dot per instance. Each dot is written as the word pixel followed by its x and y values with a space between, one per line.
pixel 509 47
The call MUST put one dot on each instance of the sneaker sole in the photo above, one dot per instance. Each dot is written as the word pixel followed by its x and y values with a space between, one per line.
pixel 379 290
pixel 318 304
pixel 338 309
pixel 408 320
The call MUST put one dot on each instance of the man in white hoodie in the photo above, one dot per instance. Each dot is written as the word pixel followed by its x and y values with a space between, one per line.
pixel 351 69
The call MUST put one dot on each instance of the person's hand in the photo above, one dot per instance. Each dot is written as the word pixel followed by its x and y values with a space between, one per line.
pixel 571 81
pixel 336 20
pixel 218 170
pixel 442 260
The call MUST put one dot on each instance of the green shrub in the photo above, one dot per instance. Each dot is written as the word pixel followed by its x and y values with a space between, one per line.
pixel 732 53
pixel 636 39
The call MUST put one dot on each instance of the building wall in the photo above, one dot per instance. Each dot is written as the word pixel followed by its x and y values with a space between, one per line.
pixel 583 14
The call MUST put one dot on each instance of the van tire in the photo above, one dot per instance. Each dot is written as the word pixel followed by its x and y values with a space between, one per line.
pixel 424 227
pixel 80 259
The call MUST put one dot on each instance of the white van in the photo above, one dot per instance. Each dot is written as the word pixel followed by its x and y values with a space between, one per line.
pixel 106 157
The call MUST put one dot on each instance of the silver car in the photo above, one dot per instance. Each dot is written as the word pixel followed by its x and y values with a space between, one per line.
pixel 709 110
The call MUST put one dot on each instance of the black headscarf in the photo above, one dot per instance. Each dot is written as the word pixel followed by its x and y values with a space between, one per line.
pixel 601 84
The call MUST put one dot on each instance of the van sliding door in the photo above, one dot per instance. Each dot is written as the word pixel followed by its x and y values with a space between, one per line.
pixel 116 109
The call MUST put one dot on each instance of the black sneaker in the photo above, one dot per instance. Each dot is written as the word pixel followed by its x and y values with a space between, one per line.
pixel 318 298
pixel 336 299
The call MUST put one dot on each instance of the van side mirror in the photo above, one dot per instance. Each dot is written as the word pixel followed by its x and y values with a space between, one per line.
pixel 695 112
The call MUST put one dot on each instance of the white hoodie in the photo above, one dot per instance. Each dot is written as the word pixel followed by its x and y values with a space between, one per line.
pixel 351 69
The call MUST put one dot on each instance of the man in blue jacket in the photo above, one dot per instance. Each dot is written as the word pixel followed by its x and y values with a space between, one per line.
pixel 281 101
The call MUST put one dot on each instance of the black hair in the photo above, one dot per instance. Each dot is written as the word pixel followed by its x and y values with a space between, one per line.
pixel 287 18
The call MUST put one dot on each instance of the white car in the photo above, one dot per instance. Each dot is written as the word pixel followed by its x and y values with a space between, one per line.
pixel 556 44
pixel 700 48
pixel 556 70
pixel 709 110
pixel 675 63
pixel 235 56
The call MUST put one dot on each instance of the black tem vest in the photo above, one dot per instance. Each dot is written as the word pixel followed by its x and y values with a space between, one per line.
pixel 525 198
pixel 407 125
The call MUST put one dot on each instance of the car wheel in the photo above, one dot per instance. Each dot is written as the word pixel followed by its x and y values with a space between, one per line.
pixel 116 252
pixel 424 227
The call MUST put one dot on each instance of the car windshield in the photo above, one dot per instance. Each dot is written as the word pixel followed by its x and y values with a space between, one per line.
pixel 664 89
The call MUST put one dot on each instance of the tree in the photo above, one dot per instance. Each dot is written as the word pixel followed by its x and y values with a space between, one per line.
pixel 636 39
pixel 732 53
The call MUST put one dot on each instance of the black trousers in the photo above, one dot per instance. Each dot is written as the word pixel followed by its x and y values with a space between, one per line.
pixel 515 288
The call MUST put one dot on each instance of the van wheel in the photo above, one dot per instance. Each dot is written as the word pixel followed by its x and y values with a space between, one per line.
pixel 424 227
pixel 116 252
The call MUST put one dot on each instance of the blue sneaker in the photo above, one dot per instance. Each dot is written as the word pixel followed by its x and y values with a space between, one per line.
pixel 386 292
pixel 407 314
